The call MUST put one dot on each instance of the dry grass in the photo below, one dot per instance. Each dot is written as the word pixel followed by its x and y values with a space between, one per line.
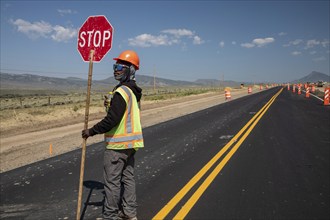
pixel 18 114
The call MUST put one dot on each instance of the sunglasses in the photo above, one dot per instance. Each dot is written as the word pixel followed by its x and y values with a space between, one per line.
pixel 119 67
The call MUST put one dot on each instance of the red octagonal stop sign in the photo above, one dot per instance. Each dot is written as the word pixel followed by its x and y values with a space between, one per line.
pixel 95 34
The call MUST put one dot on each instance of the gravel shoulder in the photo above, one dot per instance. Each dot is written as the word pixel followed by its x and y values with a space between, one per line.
pixel 43 141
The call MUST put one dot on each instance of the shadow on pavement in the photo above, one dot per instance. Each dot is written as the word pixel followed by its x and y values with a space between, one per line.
pixel 92 185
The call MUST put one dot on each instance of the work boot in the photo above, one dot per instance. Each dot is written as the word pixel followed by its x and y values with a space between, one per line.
pixel 122 216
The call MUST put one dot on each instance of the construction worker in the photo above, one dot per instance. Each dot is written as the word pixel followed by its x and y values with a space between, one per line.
pixel 123 137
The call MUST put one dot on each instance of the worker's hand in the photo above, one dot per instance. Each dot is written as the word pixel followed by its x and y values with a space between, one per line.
pixel 85 133
pixel 106 101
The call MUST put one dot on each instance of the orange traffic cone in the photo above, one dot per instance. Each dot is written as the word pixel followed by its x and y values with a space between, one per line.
pixel 326 96
pixel 307 92
pixel 227 94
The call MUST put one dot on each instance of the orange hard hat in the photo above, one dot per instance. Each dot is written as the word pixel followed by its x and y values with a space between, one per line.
pixel 129 56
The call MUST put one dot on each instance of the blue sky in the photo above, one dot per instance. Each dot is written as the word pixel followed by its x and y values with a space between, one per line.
pixel 260 41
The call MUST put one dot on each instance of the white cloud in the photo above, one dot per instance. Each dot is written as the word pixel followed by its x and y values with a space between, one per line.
pixel 66 11
pixel 297 41
pixel 296 53
pixel 312 43
pixel 148 40
pixel 166 38
pixel 178 32
pixel 247 45
pixel 282 34
pixel 32 30
pixel 44 29
pixel 197 40
pixel 293 43
pixel 325 43
pixel 313 47
pixel 63 34
pixel 258 42
pixel 222 44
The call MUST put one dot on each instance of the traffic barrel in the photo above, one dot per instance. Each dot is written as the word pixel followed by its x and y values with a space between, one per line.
pixel 260 87
pixel 313 88
pixel 299 90
pixel 307 92
pixel 249 90
pixel 227 94
pixel 288 86
pixel 326 96
pixel 294 88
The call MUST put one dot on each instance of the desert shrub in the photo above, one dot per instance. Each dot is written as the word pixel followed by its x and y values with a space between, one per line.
pixel 156 97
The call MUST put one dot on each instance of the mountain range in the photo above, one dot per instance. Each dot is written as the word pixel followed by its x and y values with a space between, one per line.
pixel 34 82
pixel 28 81
pixel 313 77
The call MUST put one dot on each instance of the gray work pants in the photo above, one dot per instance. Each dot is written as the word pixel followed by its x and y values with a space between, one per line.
pixel 119 183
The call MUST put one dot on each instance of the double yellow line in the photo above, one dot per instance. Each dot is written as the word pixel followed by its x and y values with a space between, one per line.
pixel 194 198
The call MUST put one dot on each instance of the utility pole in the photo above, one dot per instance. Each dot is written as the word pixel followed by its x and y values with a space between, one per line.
pixel 154 79
pixel 220 82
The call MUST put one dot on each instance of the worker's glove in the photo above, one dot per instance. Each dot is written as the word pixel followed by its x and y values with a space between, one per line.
pixel 85 133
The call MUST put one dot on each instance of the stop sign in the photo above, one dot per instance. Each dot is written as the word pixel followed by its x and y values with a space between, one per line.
pixel 95 34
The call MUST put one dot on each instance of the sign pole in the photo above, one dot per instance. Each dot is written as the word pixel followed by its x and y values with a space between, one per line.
pixel 82 166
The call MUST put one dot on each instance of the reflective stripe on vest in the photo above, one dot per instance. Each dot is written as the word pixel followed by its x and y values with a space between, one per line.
pixel 128 134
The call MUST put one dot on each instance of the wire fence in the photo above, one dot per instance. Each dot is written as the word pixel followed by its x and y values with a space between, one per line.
pixel 40 101
pixel 31 101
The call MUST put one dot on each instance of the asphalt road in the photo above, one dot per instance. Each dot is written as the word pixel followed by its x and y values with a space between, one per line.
pixel 270 151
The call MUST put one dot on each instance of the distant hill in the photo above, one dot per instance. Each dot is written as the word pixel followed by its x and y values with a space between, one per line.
pixel 215 82
pixel 146 81
pixel 313 77
pixel 36 82
pixel 149 81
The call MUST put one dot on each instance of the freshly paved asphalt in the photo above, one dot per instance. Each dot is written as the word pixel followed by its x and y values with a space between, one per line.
pixel 280 171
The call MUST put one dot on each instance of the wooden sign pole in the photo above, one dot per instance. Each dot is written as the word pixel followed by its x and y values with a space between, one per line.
pixel 83 155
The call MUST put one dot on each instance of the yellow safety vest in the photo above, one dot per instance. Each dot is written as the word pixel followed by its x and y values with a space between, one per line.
pixel 128 133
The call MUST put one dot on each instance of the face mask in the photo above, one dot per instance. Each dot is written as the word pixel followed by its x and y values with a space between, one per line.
pixel 127 72
pixel 123 76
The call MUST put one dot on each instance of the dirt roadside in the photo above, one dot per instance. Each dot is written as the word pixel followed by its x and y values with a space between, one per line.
pixel 25 148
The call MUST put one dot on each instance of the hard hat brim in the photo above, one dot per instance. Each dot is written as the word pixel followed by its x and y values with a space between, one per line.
pixel 117 58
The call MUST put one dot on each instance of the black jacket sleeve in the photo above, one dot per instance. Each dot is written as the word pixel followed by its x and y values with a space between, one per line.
pixel 113 118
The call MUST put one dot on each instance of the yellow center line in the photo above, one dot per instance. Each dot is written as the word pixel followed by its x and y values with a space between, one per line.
pixel 177 198
pixel 194 198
